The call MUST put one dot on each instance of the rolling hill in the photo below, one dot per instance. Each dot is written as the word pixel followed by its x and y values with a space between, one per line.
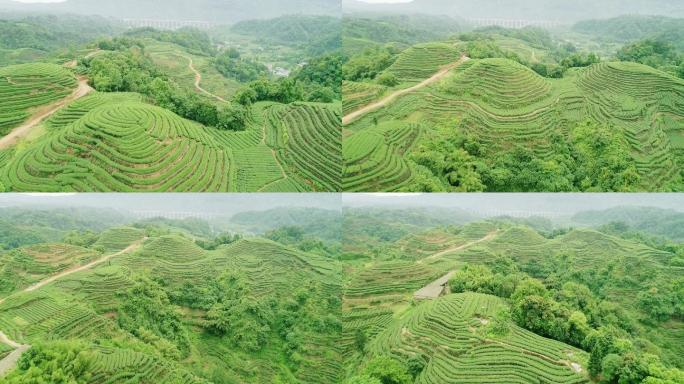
pixel 469 336
pixel 89 310
pixel 482 109
pixel 122 141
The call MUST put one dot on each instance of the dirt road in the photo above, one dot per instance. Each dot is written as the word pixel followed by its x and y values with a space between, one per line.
pixel 198 80
pixel 393 96
pixel 43 113
pixel 10 360
pixel 489 236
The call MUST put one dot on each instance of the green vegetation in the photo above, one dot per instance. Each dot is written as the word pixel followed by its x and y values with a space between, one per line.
pixel 237 310
pixel 316 35
pixel 363 296
pixel 593 307
pixel 27 86
pixel 151 125
pixel 49 37
pixel 525 113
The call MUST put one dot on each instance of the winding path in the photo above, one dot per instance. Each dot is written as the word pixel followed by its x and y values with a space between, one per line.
pixel 198 79
pixel 43 113
pixel 83 267
pixel 393 96
pixel 9 361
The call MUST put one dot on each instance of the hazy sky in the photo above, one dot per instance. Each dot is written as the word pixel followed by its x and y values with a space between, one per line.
pixel 220 204
pixel 229 204
pixel 561 203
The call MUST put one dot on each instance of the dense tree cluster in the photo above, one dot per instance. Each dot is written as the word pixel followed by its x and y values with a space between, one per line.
pixel 146 312
pixel 383 370
pixel 222 239
pixel 322 78
pixel 658 54
pixel 65 362
pixel 317 81
pixel 369 64
pixel 592 158
pixel 84 238
pixel 230 64
pixel 296 236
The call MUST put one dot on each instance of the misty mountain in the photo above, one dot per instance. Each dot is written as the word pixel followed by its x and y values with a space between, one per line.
pixel 217 11
pixel 657 221
pixel 560 10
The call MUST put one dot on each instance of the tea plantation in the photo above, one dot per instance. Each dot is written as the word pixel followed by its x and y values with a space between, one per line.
pixel 494 124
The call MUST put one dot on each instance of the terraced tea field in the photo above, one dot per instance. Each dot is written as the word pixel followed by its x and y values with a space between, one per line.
pixel 450 334
pixel 117 142
pixel 466 355
pixel 174 60
pixel 25 87
pixel 31 264
pixel 120 142
pixel 84 306
pixel 502 105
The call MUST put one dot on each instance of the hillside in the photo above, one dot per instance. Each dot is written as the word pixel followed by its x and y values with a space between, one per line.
pixel 424 295
pixel 659 222
pixel 173 111
pixel 493 123
pixel 398 303
pixel 152 310
pixel 630 28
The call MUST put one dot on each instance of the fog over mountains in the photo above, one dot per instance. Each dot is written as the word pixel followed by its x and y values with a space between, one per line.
pixel 560 10
pixel 218 11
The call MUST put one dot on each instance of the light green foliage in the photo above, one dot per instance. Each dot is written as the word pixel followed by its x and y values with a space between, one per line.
pixel 59 362
pixel 27 86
